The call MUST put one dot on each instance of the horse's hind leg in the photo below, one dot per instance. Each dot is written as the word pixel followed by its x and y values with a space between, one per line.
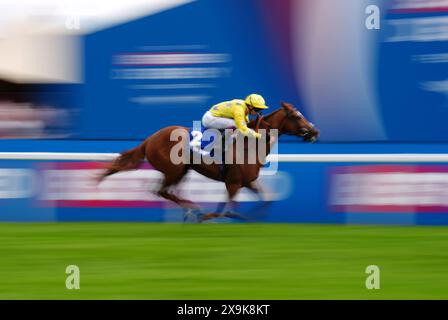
pixel 191 210
pixel 163 192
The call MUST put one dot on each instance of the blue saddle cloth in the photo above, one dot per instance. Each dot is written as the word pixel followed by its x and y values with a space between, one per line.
pixel 203 143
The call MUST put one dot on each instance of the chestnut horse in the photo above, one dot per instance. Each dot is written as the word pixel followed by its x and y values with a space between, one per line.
pixel 157 150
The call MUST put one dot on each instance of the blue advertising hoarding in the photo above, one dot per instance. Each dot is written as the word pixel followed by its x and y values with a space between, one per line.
pixel 370 85
pixel 171 67
pixel 356 84
pixel 408 193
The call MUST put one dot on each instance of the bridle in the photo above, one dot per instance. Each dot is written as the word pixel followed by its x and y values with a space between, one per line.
pixel 290 115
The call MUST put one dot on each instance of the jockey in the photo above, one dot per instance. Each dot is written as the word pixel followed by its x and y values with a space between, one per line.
pixel 234 113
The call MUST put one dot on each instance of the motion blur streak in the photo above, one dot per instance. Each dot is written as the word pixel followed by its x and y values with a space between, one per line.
pixel 335 61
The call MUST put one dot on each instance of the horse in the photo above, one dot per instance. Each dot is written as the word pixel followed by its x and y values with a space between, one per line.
pixel 156 149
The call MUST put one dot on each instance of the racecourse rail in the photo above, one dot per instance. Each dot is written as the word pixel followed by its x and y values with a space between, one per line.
pixel 302 190
pixel 352 157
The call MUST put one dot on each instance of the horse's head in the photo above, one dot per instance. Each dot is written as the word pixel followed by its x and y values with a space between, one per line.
pixel 296 124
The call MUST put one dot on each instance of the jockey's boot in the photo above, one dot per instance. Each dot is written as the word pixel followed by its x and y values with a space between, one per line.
pixel 222 168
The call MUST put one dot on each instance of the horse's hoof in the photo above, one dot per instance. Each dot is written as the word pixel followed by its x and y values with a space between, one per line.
pixel 192 215
pixel 234 215
pixel 199 216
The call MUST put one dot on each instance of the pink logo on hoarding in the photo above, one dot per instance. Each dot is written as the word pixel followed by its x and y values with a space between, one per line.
pixel 73 184
pixel 389 188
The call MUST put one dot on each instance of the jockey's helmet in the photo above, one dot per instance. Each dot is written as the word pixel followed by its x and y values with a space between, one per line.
pixel 256 101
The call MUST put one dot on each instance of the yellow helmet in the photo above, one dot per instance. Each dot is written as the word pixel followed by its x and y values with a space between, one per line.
pixel 256 101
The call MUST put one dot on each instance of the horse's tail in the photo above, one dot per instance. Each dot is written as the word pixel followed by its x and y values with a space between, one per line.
pixel 127 160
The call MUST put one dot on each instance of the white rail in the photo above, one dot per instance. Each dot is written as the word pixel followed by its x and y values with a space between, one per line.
pixel 57 156
pixel 387 158
pixel 356 157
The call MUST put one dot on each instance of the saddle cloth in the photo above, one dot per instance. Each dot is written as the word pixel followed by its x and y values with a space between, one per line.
pixel 204 140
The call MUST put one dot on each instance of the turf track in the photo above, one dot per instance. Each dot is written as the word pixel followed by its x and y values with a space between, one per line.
pixel 221 261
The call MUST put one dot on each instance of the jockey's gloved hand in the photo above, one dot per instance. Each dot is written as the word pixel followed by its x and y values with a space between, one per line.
pixel 255 134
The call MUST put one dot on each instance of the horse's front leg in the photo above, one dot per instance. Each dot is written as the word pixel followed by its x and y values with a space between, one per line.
pixel 232 190
pixel 260 191
pixel 256 188
pixel 253 186
pixel 259 209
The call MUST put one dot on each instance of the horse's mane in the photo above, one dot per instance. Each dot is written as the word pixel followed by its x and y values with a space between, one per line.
pixel 288 107
pixel 285 106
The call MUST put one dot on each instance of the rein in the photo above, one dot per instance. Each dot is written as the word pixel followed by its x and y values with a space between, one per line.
pixel 259 119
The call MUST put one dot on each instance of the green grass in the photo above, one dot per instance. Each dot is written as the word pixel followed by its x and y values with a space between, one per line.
pixel 221 261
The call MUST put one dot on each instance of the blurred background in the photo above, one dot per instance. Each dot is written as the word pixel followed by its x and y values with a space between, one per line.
pixel 99 77
pixel 83 61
